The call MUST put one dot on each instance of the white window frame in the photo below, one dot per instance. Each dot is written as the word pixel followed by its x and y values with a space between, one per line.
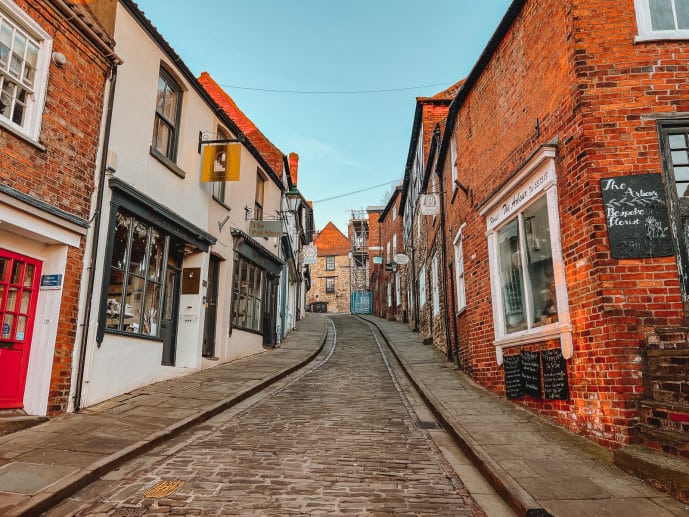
pixel 394 245
pixel 436 294
pixel 389 286
pixel 398 289
pixel 387 253
pixel 36 102
pixel 536 179
pixel 457 243
pixel 646 31
pixel 453 161
pixel 422 286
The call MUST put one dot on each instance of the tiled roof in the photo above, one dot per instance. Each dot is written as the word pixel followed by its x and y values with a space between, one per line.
pixel 331 241
pixel 271 154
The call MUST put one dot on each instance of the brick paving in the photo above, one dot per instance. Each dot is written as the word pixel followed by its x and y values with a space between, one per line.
pixel 337 440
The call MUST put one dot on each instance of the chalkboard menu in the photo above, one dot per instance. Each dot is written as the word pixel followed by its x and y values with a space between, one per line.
pixel 555 385
pixel 514 385
pixel 531 373
pixel 636 216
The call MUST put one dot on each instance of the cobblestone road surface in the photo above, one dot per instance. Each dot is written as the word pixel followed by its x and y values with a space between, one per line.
pixel 338 440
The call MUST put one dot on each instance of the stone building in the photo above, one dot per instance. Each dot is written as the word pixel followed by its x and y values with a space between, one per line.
pixel 330 276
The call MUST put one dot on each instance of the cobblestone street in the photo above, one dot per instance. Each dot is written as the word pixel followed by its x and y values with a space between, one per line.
pixel 340 438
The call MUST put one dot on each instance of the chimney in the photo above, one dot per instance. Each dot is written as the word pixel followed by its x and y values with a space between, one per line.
pixel 293 166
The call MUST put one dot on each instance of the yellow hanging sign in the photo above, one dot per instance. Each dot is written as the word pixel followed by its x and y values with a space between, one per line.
pixel 220 162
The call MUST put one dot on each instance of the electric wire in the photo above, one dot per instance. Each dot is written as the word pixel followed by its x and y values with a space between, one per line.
pixel 356 191
pixel 336 92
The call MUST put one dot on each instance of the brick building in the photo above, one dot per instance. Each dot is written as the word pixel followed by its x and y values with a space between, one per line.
pixel 55 61
pixel 330 276
pixel 389 287
pixel 564 164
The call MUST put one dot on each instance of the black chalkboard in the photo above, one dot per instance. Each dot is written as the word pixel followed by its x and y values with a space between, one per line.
pixel 555 385
pixel 514 384
pixel 636 216
pixel 531 373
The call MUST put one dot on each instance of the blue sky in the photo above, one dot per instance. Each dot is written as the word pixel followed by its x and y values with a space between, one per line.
pixel 346 141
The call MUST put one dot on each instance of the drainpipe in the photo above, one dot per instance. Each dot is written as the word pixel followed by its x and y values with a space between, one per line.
pixel 439 172
pixel 95 242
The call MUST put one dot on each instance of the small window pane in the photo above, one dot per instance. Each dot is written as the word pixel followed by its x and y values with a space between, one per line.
pixel 4 263
pixel 511 277
pixel 661 15
pixel 155 259
pixel 4 56
pixel 138 249
pixel 21 328
pixel 682 10
pixel 6 34
pixel 681 173
pixel 682 189
pixel 677 141
pixel 120 240
pixel 7 323
pixel 11 300
pixel 679 157
pixel 133 310
pixel 151 319
pixel 162 138
pixel 16 273
pixel 26 298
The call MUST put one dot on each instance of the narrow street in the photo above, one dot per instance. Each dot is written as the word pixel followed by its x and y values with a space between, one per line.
pixel 339 437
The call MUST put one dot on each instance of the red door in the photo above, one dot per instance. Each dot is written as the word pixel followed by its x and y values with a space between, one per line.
pixel 18 293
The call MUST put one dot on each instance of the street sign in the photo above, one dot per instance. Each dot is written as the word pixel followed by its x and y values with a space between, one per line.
pixel 401 259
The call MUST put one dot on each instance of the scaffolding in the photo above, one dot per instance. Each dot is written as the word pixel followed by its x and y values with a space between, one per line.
pixel 358 236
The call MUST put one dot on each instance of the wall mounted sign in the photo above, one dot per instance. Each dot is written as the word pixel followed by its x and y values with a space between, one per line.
pixel 429 204
pixel 401 259
pixel 555 385
pixel 221 162
pixel 191 280
pixel 310 254
pixel 636 216
pixel 51 281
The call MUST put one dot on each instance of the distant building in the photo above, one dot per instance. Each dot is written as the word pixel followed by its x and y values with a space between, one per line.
pixel 330 276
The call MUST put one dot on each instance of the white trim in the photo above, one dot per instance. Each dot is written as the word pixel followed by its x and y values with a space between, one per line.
pixel 460 296
pixel 35 107
pixel 435 280
pixel 645 28
pixel 537 179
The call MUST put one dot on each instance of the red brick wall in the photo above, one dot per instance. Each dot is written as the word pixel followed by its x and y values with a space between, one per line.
pixel 577 74
pixel 388 228
pixel 62 174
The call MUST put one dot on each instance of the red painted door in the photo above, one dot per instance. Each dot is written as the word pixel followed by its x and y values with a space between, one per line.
pixel 19 276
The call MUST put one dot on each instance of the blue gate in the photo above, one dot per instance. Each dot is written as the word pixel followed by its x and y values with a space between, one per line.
pixel 361 302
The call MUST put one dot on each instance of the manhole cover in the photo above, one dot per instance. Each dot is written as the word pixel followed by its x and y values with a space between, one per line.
pixel 420 424
pixel 163 489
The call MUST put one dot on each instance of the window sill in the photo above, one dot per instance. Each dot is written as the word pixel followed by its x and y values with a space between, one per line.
pixel 167 162
pixel 221 203
pixel 643 38
pixel 561 331
pixel 461 311
pixel 22 136
pixel 124 333
pixel 246 329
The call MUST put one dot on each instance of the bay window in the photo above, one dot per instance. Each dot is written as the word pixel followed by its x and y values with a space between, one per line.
pixel 527 272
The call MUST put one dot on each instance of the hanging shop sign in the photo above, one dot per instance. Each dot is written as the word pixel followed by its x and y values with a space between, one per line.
pixel 401 259
pixel 636 216
pixel 310 254
pixel 221 162
pixel 265 228
pixel 429 204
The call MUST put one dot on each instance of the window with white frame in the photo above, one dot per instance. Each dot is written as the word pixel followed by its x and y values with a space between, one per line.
pixel 662 19
pixel 389 294
pixel 387 252
pixel 330 263
pixel 436 294
pixel 526 267
pixel 398 289
pixel 394 212
pixel 394 245
pixel 453 160
pixel 24 60
pixel 166 125
pixel 422 286
pixel 459 271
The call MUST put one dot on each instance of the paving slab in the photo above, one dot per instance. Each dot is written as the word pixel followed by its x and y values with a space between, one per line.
pixel 538 468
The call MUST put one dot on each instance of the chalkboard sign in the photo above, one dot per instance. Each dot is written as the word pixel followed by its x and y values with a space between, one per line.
pixel 555 385
pixel 514 384
pixel 531 373
pixel 636 216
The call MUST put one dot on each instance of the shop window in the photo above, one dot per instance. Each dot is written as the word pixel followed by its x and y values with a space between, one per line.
pixel 135 289
pixel 662 19
pixel 459 272
pixel 24 60
pixel 526 267
pixel 166 124
pixel 330 263
pixel 247 300
pixel 330 285
pixel 435 290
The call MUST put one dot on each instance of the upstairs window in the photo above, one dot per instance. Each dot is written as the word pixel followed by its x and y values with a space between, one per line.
pixel 330 263
pixel 166 125
pixel 24 52
pixel 459 272
pixel 330 285
pixel 260 191
pixel 662 19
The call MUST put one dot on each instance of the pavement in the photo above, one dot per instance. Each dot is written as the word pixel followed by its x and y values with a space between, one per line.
pixel 537 467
